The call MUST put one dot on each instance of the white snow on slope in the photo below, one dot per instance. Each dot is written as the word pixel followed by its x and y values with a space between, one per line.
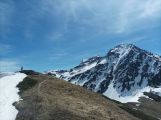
pixel 134 97
pixel 8 95
pixel 103 61
pixel 67 75
pixel 83 69
pixel 122 51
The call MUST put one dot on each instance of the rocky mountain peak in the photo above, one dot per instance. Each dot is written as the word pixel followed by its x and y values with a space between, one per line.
pixel 122 73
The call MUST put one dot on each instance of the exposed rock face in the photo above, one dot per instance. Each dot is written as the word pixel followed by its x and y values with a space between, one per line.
pixel 125 70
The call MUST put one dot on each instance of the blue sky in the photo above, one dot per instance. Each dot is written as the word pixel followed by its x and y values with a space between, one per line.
pixel 58 34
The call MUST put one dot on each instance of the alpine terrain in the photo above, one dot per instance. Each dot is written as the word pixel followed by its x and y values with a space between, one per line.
pixel 124 74
pixel 48 98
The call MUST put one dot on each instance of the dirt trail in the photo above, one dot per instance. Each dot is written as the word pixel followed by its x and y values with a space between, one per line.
pixel 41 93
pixel 39 86
pixel 55 99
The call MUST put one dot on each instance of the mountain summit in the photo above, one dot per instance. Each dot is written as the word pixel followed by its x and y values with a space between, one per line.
pixel 123 74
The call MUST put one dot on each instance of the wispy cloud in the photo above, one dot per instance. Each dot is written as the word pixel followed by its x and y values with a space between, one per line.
pixel 107 16
pixel 137 14
pixel 7 10
pixel 151 9
pixel 9 65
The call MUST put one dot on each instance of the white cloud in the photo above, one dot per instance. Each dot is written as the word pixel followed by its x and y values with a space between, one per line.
pixel 102 17
pixel 152 8
pixel 135 15
pixel 107 16
pixel 9 65
pixel 6 12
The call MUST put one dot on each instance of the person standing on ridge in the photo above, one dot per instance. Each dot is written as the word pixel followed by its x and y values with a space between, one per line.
pixel 22 68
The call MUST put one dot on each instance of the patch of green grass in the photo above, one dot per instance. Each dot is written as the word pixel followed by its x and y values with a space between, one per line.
pixel 137 113
pixel 27 83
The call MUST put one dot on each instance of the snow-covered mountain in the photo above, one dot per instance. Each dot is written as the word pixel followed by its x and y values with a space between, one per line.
pixel 123 74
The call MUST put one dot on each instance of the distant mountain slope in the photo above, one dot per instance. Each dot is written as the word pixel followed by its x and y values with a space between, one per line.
pixel 48 98
pixel 123 74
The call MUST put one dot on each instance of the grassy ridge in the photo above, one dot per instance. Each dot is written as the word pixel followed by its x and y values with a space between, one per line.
pixel 54 99
pixel 27 83
pixel 137 113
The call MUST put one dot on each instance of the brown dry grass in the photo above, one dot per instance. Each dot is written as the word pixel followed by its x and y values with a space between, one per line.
pixel 148 106
pixel 55 99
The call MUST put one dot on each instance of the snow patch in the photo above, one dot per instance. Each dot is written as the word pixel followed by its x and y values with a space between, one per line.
pixel 8 95
pixel 112 93
pixel 103 61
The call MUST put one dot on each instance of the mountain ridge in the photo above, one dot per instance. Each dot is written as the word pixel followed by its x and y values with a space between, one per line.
pixel 48 98
pixel 125 69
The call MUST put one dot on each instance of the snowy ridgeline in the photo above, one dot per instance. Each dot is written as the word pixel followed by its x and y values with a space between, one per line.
pixel 123 74
pixel 8 95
